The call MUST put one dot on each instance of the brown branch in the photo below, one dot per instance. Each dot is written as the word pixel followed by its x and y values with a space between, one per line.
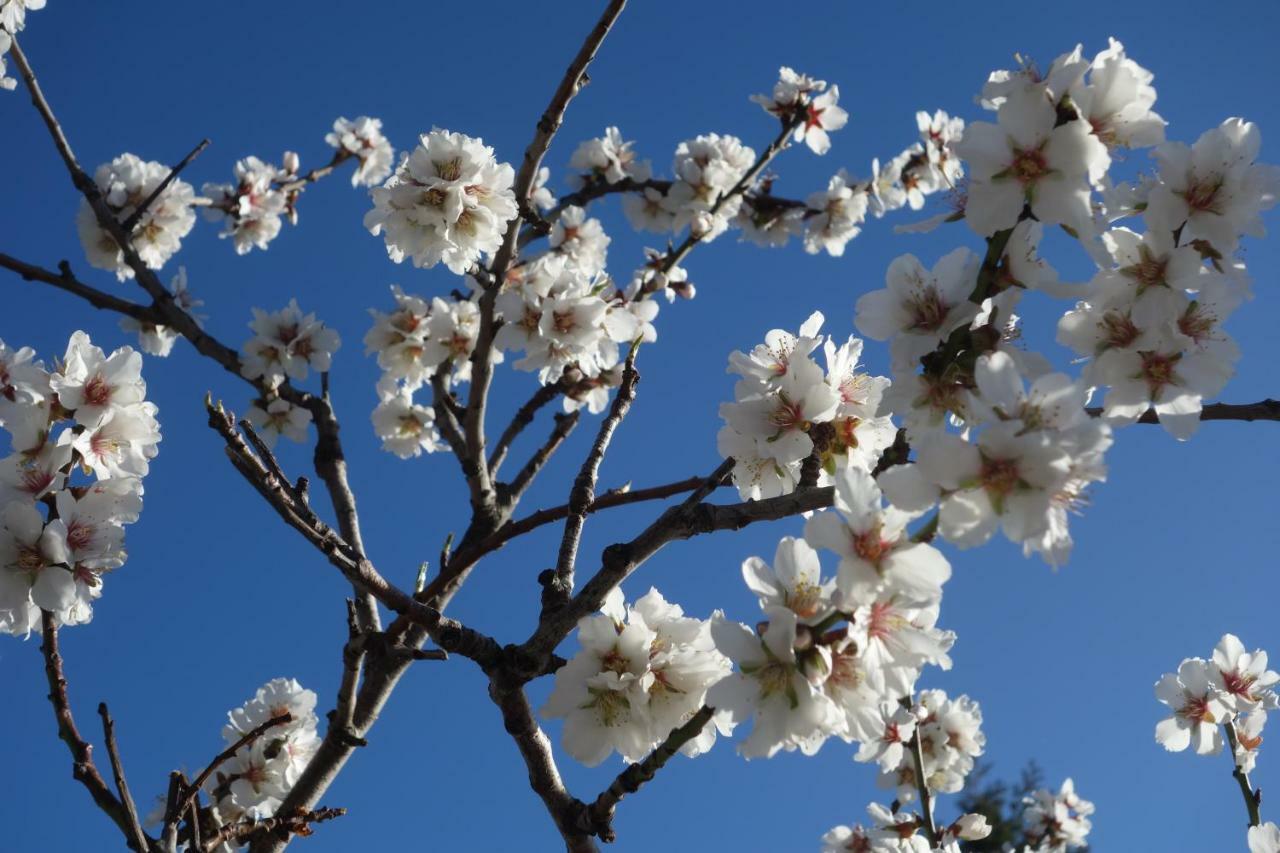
pixel 140 840
pixel 83 770
pixel 449 634
pixel 597 819
pixel 1263 410
pixel 247 739
pixel 331 466
pixel 922 788
pixel 564 425
pixel 593 190
pixel 64 280
pixel 575 77
pixel 279 828
pixel 679 522
pixel 339 156
pixel 544 777
pixel 1252 797
pixel 484 507
pixel 583 493
pixel 775 147
pixel 135 217
pixel 522 418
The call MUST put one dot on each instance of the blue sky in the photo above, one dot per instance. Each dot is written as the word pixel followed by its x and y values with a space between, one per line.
pixel 218 597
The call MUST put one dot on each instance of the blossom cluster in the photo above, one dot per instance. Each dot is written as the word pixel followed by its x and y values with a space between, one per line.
pixel 286 344
pixel 126 183
pixel 58 537
pixel 449 200
pixel 839 657
pixel 363 140
pixel 896 831
pixel 788 408
pixel 251 210
pixel 1055 822
pixel 1230 692
pixel 643 670
pixel 257 778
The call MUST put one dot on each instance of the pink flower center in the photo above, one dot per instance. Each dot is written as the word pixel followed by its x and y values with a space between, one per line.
pixel 1028 166
pixel 96 391
pixel 1159 370
pixel 926 310
pixel 1000 477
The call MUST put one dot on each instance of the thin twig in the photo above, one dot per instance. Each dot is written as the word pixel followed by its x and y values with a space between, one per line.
pixel 134 218
pixel 83 769
pixel 64 280
pixel 598 817
pixel 584 485
pixel 922 788
pixel 280 827
pixel 678 522
pixel 1252 797
pixel 522 418
pixel 247 739
pixel 564 425
pixel 117 770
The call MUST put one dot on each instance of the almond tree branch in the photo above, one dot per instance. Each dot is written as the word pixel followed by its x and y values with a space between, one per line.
pixel 560 585
pixel 1263 410
pixel 598 817
pixel 1252 797
pixel 575 77
pixel 922 788
pixel 136 217
pixel 339 156
pixel 544 777
pixel 690 518
pixel 65 280
pixel 278 829
pixel 249 738
pixel 330 464
pixel 140 840
pixel 449 634
pixel 83 770
pixel 744 183
pixel 522 418
pixel 564 425
pixel 482 355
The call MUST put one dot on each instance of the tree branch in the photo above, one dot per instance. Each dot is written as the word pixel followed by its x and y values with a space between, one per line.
pixel 544 777
pixel 64 280
pixel 679 522
pixel 278 829
pixel 598 817
pixel 564 425
pixel 135 217
pixel 248 739
pixel 140 840
pixel 83 770
pixel 922 788
pixel 1263 410
pixel 522 418
pixel 583 492
pixel 1252 797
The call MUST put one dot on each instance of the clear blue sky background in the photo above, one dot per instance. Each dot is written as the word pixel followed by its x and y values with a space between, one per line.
pixel 218 597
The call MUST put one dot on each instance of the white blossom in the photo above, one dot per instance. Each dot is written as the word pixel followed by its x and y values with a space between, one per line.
pixel 449 200
pixel 125 183
pixel 363 139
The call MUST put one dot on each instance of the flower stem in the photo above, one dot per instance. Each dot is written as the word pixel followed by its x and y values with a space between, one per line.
pixel 1252 797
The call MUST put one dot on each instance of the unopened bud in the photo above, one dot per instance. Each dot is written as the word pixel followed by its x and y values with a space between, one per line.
pixel 972 827
pixel 684 289
pixel 291 163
